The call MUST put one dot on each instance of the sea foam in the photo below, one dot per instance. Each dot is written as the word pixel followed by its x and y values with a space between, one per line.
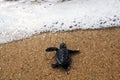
pixel 20 20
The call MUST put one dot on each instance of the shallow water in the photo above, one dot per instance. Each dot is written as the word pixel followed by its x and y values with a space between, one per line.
pixel 19 20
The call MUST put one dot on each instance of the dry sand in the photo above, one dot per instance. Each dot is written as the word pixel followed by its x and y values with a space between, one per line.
pixel 99 58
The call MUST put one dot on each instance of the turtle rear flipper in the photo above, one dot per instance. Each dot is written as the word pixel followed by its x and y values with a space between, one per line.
pixel 52 49
pixel 54 65
pixel 73 51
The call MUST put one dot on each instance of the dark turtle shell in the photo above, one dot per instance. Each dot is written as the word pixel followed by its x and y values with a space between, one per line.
pixel 63 57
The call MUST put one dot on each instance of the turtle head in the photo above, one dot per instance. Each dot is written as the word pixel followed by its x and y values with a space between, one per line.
pixel 63 45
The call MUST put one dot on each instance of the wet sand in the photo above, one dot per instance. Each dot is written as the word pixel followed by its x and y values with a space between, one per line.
pixel 99 57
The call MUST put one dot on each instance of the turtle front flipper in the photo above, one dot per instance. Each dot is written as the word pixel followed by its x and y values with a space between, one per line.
pixel 52 49
pixel 73 51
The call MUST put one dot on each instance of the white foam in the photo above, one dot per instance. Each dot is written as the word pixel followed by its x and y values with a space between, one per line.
pixel 22 19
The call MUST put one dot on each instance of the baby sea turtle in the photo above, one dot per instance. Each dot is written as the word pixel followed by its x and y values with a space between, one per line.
pixel 63 56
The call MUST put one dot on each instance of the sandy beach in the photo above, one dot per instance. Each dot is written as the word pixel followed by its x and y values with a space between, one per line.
pixel 99 57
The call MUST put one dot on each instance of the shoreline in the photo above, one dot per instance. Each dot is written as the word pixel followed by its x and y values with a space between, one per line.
pixel 37 34
pixel 99 59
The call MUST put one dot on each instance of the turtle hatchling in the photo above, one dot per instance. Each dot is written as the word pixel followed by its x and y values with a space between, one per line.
pixel 63 56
